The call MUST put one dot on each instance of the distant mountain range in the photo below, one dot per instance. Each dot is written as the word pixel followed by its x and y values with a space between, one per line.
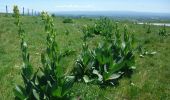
pixel 112 14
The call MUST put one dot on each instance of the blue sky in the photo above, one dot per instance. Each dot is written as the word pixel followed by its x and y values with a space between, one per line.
pixel 91 5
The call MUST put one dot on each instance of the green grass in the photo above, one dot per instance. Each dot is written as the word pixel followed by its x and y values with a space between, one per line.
pixel 150 81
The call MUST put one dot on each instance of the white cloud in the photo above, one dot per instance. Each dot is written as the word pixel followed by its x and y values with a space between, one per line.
pixel 73 6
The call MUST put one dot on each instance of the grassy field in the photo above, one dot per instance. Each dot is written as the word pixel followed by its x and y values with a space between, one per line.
pixel 150 81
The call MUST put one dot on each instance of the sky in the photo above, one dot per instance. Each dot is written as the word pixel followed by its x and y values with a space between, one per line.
pixel 155 6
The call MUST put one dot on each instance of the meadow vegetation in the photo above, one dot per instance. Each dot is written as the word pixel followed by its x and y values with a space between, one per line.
pixel 44 58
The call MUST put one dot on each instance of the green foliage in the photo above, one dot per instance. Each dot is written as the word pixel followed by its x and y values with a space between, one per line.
pixel 104 27
pixel 141 83
pixel 67 32
pixel 163 32
pixel 68 20
pixel 50 81
pixel 107 62
pixel 53 15
pixel 27 67
pixel 84 64
pixel 88 32
pixel 148 29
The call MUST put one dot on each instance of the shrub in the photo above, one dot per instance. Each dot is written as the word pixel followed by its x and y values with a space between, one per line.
pixel 104 27
pixel 107 62
pixel 148 29
pixel 50 81
pixel 67 32
pixel 163 32
pixel 53 15
pixel 88 31
pixel 68 20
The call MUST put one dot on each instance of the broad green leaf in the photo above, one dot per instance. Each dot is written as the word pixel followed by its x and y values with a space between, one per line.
pixel 86 79
pixel 36 95
pixel 117 66
pixel 114 76
pixel 133 67
pixel 19 92
pixel 153 53
pixel 57 92
pixel 100 77
pixel 68 83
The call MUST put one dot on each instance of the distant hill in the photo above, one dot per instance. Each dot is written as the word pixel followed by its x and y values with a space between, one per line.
pixel 112 14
